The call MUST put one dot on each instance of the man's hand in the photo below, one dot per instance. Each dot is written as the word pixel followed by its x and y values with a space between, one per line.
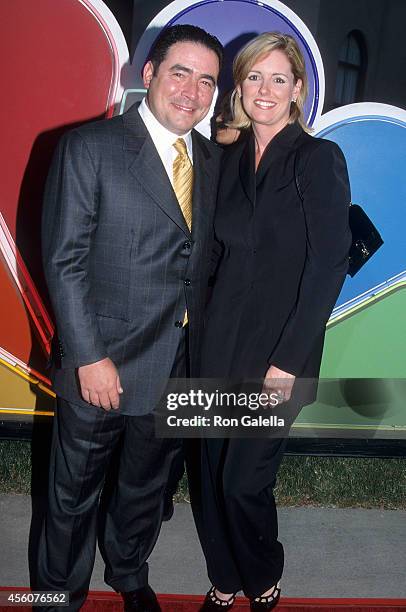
pixel 100 384
pixel 279 382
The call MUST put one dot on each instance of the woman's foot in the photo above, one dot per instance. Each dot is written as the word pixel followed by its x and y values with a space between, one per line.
pixel 268 600
pixel 216 601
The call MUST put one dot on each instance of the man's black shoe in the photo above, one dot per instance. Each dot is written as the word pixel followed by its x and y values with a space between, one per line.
pixel 141 600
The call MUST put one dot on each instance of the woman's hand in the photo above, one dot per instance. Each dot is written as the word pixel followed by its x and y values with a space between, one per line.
pixel 278 382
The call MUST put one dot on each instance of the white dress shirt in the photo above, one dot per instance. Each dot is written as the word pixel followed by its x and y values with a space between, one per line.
pixel 163 139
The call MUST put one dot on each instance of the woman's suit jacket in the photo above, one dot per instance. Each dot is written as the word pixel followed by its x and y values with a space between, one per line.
pixel 283 262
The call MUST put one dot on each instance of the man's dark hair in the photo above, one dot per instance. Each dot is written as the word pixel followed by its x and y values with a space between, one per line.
pixel 182 33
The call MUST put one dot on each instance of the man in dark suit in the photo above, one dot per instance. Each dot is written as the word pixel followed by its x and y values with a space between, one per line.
pixel 127 229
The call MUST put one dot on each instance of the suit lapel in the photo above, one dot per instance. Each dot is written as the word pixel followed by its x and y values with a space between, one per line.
pixel 247 169
pixel 203 172
pixel 276 165
pixel 146 165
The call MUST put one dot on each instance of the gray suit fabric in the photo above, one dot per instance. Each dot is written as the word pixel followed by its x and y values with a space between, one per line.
pixel 120 263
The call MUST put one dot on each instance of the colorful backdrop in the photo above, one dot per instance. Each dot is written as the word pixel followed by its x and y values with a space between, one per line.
pixel 74 66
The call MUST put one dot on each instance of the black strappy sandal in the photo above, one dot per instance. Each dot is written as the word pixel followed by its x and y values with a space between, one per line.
pixel 266 603
pixel 214 604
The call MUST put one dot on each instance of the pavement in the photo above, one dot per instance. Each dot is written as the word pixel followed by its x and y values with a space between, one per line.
pixel 330 552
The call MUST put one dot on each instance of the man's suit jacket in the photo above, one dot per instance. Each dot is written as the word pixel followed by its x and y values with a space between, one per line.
pixel 283 262
pixel 120 262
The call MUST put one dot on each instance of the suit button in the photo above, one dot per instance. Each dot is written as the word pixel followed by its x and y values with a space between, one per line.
pixel 178 323
pixel 187 244
pixel 187 282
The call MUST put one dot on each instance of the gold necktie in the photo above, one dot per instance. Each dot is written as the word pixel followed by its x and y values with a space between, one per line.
pixel 183 186
pixel 183 180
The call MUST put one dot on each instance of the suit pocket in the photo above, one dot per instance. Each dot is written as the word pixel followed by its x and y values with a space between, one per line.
pixel 111 314
pixel 113 330
pixel 114 305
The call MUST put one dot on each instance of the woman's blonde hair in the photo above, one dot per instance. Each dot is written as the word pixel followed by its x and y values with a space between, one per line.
pixel 255 50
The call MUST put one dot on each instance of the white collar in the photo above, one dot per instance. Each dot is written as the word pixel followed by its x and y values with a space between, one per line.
pixel 162 138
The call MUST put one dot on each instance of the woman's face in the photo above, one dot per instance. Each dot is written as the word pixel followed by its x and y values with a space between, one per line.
pixel 268 91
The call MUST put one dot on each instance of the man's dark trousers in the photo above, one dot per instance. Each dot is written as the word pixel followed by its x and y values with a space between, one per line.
pixel 83 444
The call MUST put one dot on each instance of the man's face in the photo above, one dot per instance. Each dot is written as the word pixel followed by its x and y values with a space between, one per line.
pixel 180 92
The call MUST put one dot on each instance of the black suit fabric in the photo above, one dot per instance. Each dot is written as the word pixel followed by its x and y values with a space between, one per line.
pixel 122 267
pixel 281 270
pixel 79 464
pixel 84 443
pixel 283 263
pixel 117 252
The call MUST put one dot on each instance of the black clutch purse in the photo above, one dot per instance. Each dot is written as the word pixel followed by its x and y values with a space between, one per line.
pixel 366 239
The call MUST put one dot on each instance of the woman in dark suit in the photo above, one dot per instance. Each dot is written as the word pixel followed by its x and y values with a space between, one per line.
pixel 284 260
